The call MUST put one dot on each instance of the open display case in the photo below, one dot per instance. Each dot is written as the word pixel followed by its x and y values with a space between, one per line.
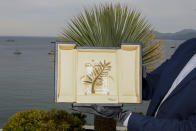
pixel 98 74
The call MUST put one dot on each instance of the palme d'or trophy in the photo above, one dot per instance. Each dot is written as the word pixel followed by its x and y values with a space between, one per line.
pixel 107 75
pixel 96 78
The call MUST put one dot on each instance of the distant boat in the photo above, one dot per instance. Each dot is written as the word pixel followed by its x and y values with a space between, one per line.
pixel 173 47
pixel 10 40
pixel 17 52
pixel 52 48
pixel 52 52
pixel 53 42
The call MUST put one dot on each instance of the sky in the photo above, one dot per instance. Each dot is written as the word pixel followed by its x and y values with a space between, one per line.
pixel 48 17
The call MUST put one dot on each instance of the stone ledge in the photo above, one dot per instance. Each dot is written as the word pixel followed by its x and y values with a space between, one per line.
pixel 118 128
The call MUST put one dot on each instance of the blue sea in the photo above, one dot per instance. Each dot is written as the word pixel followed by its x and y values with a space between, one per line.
pixel 27 80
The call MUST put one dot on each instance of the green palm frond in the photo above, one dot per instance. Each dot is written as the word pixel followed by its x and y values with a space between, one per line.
pixel 110 25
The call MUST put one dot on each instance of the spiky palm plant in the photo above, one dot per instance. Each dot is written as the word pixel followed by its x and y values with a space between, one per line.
pixel 110 25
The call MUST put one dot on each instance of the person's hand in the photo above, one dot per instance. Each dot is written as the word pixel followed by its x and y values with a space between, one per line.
pixel 105 111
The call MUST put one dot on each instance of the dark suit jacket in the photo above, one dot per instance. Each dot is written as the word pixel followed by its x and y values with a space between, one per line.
pixel 178 111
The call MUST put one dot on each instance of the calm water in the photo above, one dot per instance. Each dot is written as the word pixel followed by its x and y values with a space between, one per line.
pixel 27 80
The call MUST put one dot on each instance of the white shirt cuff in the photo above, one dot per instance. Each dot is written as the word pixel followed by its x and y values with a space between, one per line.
pixel 125 123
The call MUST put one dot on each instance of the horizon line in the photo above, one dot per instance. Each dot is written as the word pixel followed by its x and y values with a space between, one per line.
pixel 59 36
pixel 26 36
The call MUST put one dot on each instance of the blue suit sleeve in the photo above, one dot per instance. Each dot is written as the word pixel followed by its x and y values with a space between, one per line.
pixel 150 82
pixel 139 122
